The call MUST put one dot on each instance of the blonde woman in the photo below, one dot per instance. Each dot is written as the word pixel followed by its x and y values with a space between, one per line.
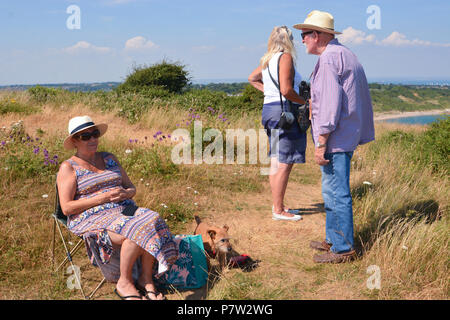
pixel 286 146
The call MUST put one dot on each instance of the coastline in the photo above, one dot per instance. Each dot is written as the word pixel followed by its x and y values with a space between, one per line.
pixel 400 114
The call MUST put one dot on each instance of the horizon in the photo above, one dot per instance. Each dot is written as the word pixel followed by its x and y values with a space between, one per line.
pixel 392 80
pixel 80 41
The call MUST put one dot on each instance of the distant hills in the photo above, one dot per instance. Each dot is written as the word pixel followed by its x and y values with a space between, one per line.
pixel 226 86
pixel 84 87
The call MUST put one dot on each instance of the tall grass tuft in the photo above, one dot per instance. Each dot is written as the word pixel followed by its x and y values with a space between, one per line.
pixel 401 190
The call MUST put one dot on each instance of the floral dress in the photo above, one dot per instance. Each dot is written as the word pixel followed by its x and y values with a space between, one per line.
pixel 146 228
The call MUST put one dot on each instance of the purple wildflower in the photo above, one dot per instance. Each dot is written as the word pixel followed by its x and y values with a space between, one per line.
pixel 3 143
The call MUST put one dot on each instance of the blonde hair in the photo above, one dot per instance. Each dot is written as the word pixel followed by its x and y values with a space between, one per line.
pixel 280 40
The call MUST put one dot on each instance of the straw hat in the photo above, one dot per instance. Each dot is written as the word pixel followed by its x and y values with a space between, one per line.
pixel 319 21
pixel 78 124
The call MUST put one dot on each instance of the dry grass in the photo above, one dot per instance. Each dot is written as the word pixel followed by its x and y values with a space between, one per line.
pixel 388 218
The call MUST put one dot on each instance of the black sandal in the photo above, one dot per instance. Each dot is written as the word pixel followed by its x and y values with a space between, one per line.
pixel 126 297
pixel 146 292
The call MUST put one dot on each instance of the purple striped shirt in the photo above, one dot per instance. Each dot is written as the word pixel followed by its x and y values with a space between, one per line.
pixel 340 100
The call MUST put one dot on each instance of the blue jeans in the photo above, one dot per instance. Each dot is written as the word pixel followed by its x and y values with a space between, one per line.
pixel 338 201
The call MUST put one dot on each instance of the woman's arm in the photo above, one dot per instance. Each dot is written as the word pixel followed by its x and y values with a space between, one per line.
pixel 67 187
pixel 255 79
pixel 286 77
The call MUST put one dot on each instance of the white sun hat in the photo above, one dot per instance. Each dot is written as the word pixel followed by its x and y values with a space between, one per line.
pixel 81 123
pixel 320 21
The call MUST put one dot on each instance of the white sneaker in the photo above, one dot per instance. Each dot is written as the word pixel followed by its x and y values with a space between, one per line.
pixel 276 216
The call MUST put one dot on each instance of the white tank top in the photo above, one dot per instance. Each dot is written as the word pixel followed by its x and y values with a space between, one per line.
pixel 271 92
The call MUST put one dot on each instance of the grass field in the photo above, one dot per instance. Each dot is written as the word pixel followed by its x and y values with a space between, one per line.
pixel 400 192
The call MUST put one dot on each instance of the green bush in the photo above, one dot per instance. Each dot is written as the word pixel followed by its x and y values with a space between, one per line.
pixel 23 156
pixel 434 145
pixel 167 76
pixel 41 94
pixel 252 96
pixel 13 106
pixel 147 162
pixel 428 149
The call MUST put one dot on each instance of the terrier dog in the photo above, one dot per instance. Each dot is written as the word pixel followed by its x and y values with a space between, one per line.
pixel 215 241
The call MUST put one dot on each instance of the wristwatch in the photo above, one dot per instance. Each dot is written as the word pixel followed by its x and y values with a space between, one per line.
pixel 320 145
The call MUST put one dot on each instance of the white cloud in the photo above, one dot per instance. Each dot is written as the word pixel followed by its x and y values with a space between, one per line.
pixel 353 36
pixel 398 39
pixel 356 37
pixel 139 43
pixel 84 46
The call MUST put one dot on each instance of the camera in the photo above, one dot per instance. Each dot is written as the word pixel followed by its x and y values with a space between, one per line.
pixel 305 91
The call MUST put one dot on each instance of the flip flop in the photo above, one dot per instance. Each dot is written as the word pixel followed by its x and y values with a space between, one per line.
pixel 125 297
pixel 146 292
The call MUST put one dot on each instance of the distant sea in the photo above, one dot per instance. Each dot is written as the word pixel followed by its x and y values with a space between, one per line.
pixel 403 81
pixel 409 81
pixel 418 120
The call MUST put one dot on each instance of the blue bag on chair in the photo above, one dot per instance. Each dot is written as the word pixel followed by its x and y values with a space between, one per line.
pixel 190 271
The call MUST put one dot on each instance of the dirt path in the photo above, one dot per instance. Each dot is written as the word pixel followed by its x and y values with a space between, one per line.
pixel 286 268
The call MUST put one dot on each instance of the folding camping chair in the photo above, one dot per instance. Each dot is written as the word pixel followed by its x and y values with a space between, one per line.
pixel 60 222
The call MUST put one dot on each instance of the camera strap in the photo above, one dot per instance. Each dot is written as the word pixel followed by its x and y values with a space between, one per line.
pixel 276 84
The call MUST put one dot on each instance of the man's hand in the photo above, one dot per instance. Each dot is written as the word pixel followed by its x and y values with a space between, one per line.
pixel 319 156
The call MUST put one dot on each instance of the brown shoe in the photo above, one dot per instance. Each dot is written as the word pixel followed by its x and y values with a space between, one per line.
pixel 321 246
pixel 331 257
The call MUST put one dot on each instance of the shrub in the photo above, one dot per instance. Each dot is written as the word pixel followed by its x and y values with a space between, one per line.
pixel 168 76
pixel 252 96
pixel 434 145
pixel 24 156
pixel 13 106
pixel 41 94
pixel 428 149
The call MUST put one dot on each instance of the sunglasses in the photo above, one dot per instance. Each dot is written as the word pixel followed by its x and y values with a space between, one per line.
pixel 86 136
pixel 304 34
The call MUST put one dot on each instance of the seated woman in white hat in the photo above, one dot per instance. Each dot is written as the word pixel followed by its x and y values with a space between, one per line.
pixel 96 196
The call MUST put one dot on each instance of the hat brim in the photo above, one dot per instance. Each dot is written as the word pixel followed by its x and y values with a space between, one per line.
pixel 301 26
pixel 68 143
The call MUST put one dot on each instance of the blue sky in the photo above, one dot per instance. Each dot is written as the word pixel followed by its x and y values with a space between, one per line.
pixel 214 39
